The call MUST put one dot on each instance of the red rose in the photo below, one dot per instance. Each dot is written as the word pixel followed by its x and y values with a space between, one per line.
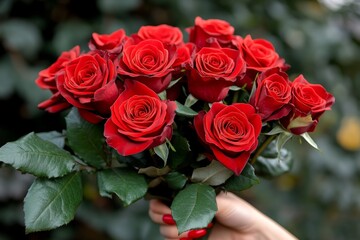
pixel 260 54
pixel 185 55
pixel 164 33
pixel 221 30
pixel 215 69
pixel 148 61
pixel 112 43
pixel 47 80
pixel 231 133
pixel 88 83
pixel 139 120
pixel 272 96
pixel 310 102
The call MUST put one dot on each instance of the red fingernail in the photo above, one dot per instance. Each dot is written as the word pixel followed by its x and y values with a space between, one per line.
pixel 210 225
pixel 168 219
pixel 197 233
pixel 185 239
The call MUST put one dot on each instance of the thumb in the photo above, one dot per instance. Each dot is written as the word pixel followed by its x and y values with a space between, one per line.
pixel 233 212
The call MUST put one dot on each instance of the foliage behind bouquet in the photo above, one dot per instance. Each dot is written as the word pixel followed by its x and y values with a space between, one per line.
pixel 156 117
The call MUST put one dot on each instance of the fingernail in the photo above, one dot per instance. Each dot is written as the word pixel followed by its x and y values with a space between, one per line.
pixel 185 238
pixel 210 225
pixel 168 219
pixel 197 233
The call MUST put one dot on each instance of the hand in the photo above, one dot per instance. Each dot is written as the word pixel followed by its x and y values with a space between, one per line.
pixel 235 219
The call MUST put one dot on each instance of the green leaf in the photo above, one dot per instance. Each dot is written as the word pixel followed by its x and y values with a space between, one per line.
pixel 184 111
pixel 276 130
pixel 214 174
pixel 175 180
pixel 235 88
pixel 312 143
pixel 173 82
pixel 190 100
pixel 86 139
pixel 162 95
pixel 51 203
pixel 162 151
pixel 245 180
pixel 194 207
pixel 54 137
pixel 182 154
pixel 127 184
pixel 31 154
pixel 270 166
pixel 154 171
pixel 281 139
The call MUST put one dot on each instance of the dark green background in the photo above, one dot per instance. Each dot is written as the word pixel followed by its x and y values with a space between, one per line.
pixel 318 199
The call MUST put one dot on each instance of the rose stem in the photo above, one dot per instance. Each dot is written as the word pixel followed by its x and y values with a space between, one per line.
pixel 262 148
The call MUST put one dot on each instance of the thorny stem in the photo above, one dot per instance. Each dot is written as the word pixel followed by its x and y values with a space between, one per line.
pixel 262 148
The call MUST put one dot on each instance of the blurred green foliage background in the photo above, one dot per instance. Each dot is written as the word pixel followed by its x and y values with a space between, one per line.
pixel 318 199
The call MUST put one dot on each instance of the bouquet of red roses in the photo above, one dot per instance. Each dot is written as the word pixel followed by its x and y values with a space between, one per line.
pixel 153 116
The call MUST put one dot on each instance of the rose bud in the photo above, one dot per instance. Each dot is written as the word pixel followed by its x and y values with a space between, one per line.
pixel 203 30
pixel 149 62
pixel 215 70
pixel 165 33
pixel 112 43
pixel 272 95
pixel 310 102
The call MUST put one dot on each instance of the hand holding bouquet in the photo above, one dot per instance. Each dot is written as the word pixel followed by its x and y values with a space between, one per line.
pixel 156 117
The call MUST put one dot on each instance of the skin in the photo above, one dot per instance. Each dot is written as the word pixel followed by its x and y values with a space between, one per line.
pixel 236 219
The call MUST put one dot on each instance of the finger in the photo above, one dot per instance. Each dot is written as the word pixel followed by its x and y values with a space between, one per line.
pixel 159 207
pixel 234 212
pixel 171 232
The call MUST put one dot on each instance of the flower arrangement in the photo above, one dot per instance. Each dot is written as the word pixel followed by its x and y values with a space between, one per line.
pixel 153 116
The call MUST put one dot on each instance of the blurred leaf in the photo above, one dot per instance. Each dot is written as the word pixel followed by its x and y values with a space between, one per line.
pixel 54 137
pixel 214 174
pixel 175 180
pixel 184 110
pixel 22 36
pixel 131 222
pixel 273 167
pixel 116 6
pixel 27 88
pixel 51 203
pixel 86 139
pixel 194 207
pixel 5 6
pixel 70 34
pixel 14 184
pixel 127 184
pixel 245 180
pixel 31 154
pixel 7 79
pixel 281 139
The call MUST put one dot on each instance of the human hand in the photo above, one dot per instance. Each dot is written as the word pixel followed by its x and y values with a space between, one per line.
pixel 235 219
